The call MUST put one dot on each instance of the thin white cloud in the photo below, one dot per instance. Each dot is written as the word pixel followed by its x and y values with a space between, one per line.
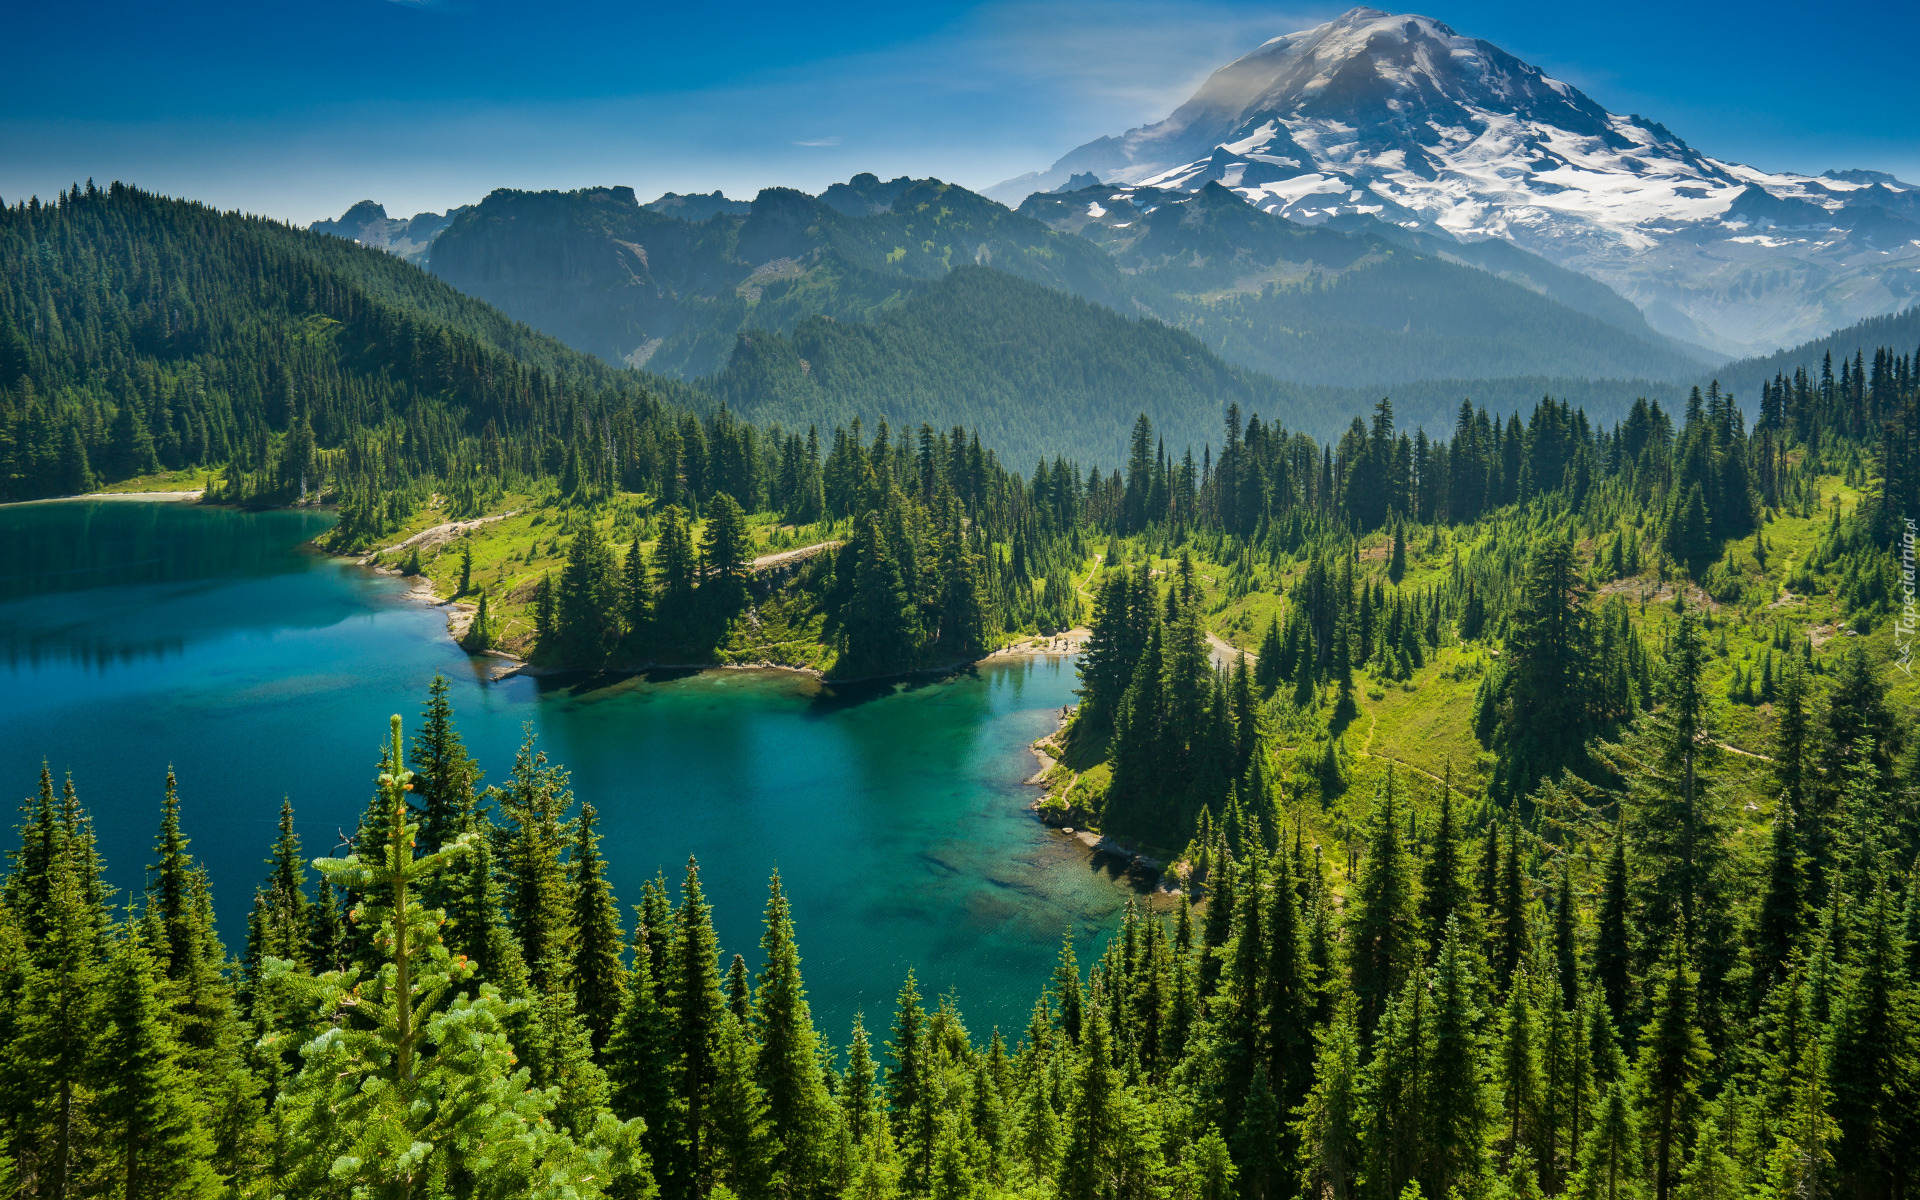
pixel 1137 57
pixel 832 141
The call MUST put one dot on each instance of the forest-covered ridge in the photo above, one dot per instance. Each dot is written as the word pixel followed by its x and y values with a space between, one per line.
pixel 1358 304
pixel 1857 343
pixel 1313 307
pixel 129 318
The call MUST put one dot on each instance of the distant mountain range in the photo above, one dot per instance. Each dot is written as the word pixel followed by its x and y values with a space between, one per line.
pixel 1377 205
pixel 368 224
pixel 1375 119
pixel 1288 308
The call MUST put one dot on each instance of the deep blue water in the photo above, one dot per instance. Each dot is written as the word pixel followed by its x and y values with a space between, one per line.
pixel 137 634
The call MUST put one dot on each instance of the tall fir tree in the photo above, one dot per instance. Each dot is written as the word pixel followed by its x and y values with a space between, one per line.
pixel 1383 935
pixel 799 1111
pixel 599 978
pixel 698 1009
pixel 419 1088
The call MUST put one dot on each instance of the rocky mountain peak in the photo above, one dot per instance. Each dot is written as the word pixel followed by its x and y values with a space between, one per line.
pixel 1398 119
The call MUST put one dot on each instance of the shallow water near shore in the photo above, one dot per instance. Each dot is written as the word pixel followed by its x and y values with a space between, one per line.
pixel 134 635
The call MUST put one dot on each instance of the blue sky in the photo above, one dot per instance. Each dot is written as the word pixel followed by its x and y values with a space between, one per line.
pixel 297 111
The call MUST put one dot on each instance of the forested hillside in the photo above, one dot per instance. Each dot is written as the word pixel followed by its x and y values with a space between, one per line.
pixel 1317 305
pixel 1314 308
pixel 1035 372
pixel 1654 941
pixel 636 285
pixel 140 334
pixel 1856 345
pixel 1559 836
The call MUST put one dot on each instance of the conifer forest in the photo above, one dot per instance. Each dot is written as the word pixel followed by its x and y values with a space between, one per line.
pixel 1531 805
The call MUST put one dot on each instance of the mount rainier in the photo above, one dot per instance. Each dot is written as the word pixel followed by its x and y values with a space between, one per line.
pixel 1399 120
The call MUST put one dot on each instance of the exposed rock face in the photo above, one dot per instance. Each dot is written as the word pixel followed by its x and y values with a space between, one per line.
pixel 369 224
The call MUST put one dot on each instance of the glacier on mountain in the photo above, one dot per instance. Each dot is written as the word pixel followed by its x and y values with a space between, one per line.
pixel 1398 119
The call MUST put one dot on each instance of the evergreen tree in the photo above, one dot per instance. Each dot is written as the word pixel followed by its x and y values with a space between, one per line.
pixel 860 1102
pixel 327 936
pixel 1612 953
pixel 1328 1124
pixel 52 1050
pixel 878 632
pixel 1675 815
pixel 1383 934
pixel 559 1055
pixel 587 611
pixel 1566 949
pixel 1443 889
pixel 1871 1053
pixel 1094 1123
pixel 726 551
pixel 674 565
pixel 1673 1061
pixel 636 594
pixel 481 632
pixel 409 1091
pixel 1521 1086
pixel 1609 1166
pixel 148 1101
pixel 282 915
pixel 599 978
pixel 1455 1097
pixel 739 991
pixel 1287 996
pixel 477 926
pixel 1268 671
pixel 446 778
pixel 170 892
pixel 739 1143
pixel 1779 926
pixel 1516 939
pixel 788 1066
pixel 906 1077
pixel 1067 999
pixel 540 907
pixel 963 609
pixel 1544 680
pixel 698 1010
pixel 641 1059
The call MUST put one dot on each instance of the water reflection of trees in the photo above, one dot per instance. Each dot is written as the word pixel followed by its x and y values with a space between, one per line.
pixel 71 547
pixel 120 583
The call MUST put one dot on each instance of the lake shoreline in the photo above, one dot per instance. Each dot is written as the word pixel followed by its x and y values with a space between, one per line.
pixel 1069 641
pixel 150 497
pixel 893 812
pixel 1075 639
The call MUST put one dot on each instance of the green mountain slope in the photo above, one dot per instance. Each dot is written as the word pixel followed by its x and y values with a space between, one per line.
pixel 635 286
pixel 1306 305
pixel 1744 377
pixel 139 333
pixel 1038 373
pixel 1318 305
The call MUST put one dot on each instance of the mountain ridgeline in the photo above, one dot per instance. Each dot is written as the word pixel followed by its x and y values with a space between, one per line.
pixel 139 333
pixel 1314 309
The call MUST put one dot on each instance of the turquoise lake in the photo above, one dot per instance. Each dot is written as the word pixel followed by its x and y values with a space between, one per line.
pixel 137 634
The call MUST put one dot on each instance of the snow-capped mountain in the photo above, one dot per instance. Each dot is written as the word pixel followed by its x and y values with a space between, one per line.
pixel 1402 120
